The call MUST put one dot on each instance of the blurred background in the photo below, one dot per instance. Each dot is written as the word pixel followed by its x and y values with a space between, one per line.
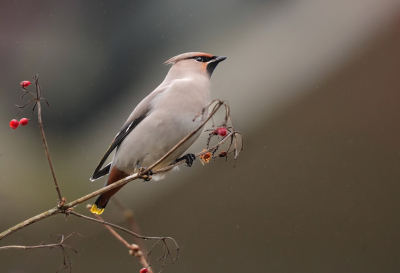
pixel 314 86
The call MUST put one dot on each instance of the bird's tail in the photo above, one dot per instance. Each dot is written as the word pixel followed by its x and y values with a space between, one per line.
pixel 102 200
pixel 100 204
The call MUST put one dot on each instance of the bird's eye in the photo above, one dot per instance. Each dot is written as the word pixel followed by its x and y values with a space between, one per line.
pixel 202 59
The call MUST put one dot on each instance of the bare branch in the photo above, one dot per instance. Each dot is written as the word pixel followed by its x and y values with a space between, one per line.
pixel 121 228
pixel 216 146
pixel 130 219
pixel 134 249
pixel 159 239
pixel 28 222
pixel 139 254
pixel 110 229
pixel 46 148
pixel 61 244
pixel 36 99
pixel 27 92
pixel 121 182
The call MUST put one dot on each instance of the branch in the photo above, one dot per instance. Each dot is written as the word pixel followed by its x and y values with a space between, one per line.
pixel 66 263
pixel 28 222
pixel 36 99
pixel 134 249
pixel 131 221
pixel 61 243
pixel 139 254
pixel 46 148
pixel 67 207
pixel 121 228
pixel 166 254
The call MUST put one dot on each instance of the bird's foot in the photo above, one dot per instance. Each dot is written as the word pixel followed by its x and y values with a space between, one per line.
pixel 189 159
pixel 145 176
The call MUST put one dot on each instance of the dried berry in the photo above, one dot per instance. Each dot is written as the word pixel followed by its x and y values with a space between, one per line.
pixel 223 154
pixel 14 123
pixel 222 131
pixel 25 83
pixel 24 121
pixel 144 270
pixel 205 158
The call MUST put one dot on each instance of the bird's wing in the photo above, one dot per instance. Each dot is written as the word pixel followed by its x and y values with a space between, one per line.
pixel 141 111
pixel 99 171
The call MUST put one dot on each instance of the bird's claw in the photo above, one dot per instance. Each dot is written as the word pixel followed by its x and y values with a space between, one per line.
pixel 189 159
pixel 145 176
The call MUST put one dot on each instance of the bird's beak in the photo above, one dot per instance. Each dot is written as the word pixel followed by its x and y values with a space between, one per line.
pixel 213 64
pixel 219 59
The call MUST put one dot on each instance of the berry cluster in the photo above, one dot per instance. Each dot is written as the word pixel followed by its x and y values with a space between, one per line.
pixel 15 123
pixel 24 121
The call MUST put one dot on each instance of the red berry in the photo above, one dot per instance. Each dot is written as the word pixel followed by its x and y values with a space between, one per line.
pixel 25 83
pixel 144 270
pixel 14 123
pixel 222 131
pixel 23 121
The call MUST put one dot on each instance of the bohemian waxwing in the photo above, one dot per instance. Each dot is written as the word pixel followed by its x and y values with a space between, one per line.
pixel 174 109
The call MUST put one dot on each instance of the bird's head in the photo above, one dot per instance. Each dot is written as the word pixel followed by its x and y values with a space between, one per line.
pixel 195 62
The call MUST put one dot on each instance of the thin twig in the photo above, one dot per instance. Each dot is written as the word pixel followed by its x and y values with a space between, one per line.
pixel 139 254
pixel 29 221
pixel 130 219
pixel 159 239
pixel 134 249
pixel 112 231
pixel 62 240
pixel 46 148
pixel 128 214
pixel 121 228
pixel 200 153
pixel 66 260
pixel 37 98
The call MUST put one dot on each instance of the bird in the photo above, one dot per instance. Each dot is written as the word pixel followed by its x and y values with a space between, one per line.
pixel 174 109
